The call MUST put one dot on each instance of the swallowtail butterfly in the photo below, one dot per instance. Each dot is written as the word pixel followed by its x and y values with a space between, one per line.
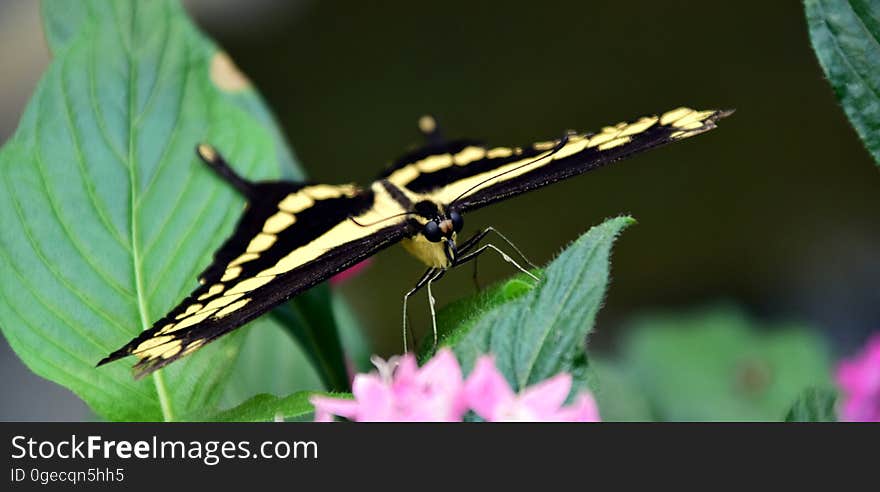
pixel 294 235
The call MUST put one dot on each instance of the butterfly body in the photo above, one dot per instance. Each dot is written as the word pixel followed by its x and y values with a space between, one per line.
pixel 295 235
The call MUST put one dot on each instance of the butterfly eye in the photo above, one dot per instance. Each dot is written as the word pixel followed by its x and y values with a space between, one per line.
pixel 432 232
pixel 457 221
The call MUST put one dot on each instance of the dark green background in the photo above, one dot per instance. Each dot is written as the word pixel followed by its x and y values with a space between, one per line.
pixel 776 210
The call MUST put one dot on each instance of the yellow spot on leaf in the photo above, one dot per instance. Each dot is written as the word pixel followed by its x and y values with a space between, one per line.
pixel 225 75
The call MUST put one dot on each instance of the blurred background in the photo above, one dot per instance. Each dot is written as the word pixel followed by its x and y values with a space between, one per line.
pixel 777 212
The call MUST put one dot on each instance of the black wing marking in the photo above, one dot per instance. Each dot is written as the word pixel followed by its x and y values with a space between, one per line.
pixel 291 237
pixel 477 177
pixel 436 151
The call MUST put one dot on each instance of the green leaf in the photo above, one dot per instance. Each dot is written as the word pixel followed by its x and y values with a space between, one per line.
pixel 354 342
pixel 266 408
pixel 457 318
pixel 544 330
pixel 270 361
pixel 719 365
pixel 814 405
pixel 619 397
pixel 846 37
pixel 311 321
pixel 107 215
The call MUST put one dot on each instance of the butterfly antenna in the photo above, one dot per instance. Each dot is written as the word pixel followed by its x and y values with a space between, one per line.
pixel 380 220
pixel 555 149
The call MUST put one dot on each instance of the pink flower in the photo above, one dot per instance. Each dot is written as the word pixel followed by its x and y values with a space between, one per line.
pixel 859 380
pixel 346 275
pixel 407 393
pixel 489 395
pixel 401 391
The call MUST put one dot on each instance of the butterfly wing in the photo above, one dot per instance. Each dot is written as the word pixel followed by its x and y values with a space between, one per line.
pixel 472 176
pixel 291 237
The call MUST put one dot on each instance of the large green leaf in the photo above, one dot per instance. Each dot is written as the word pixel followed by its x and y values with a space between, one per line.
pixel 719 365
pixel 107 215
pixel 617 394
pixel 270 361
pixel 543 331
pixel 457 318
pixel 265 408
pixel 814 405
pixel 357 347
pixel 846 38
pixel 311 321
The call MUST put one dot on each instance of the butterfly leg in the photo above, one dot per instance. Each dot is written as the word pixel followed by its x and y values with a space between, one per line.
pixel 427 277
pixel 474 241
pixel 431 302
pixel 473 255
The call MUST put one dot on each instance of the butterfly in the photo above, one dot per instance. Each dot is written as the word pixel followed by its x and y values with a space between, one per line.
pixel 294 235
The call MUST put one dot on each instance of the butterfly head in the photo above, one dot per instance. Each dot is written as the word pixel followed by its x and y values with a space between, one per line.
pixel 434 241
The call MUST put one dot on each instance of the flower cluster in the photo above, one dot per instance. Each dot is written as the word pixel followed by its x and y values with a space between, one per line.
pixel 437 392
pixel 859 380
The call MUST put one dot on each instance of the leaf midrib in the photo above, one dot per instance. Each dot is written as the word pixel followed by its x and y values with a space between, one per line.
pixel 569 291
pixel 143 309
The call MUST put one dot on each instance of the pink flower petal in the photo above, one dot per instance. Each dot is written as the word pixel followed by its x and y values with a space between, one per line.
pixel 441 387
pixel 402 391
pixel 859 380
pixel 407 370
pixel 346 275
pixel 545 398
pixel 326 407
pixel 486 390
pixel 374 398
